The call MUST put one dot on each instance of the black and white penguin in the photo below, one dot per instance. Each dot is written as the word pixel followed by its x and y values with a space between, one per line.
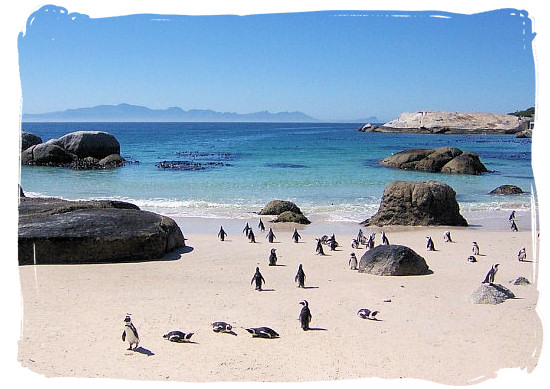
pixel 270 236
pixel 272 258
pixel 430 244
pixel 261 225
pixel 262 332
pixel 352 262
pixel 512 216
pixel 471 258
pixel 178 336
pixel 305 315
pixel 296 236
pixel 258 278
pixel 130 333
pixel 354 244
pixel 447 236
pixel 490 277
pixel 300 277
pixel 385 239
pixel 319 249
pixel 222 234
pixel 367 314
pixel 513 226
pixel 370 242
pixel 221 326
pixel 360 236
pixel 251 236
pixel 475 248
pixel 332 243
pixel 522 255
pixel 246 229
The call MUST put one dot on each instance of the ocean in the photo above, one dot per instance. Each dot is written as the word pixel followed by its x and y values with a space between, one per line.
pixel 231 170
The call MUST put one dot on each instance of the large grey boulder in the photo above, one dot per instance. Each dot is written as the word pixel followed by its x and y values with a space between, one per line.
pixel 46 154
pixel 96 144
pixel 29 139
pixel 415 203
pixel 507 190
pixel 92 232
pixel 392 260
pixel 291 217
pixel 276 207
pixel 445 160
pixel 491 294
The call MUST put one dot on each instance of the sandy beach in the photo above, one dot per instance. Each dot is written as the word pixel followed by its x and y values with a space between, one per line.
pixel 427 327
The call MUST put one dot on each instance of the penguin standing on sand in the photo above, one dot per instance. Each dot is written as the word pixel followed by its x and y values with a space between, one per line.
pixel 300 277
pixel 352 262
pixel 272 258
pixel 385 239
pixel 130 333
pixel 222 234
pixel 332 243
pixel 354 244
pixel 512 216
pixel 258 278
pixel 522 255
pixel 360 236
pixel 319 249
pixel 251 236
pixel 296 236
pixel 305 315
pixel 475 248
pixel 261 225
pixel 370 242
pixel 430 244
pixel 490 277
pixel 246 229
pixel 513 226
pixel 447 236
pixel 270 236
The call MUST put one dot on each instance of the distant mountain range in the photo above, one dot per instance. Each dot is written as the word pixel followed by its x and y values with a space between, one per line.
pixel 136 113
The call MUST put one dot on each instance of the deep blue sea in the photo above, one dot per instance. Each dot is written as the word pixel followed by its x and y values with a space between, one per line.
pixel 330 171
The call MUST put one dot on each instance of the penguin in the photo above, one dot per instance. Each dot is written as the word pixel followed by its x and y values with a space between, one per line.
pixel 178 336
pixel 222 234
pixel 221 326
pixel 475 248
pixel 324 239
pixel 319 249
pixel 305 315
pixel 258 278
pixel 471 258
pixel 272 258
pixel 430 244
pixel 296 236
pixel 360 236
pixel 352 262
pixel 490 277
pixel 130 333
pixel 370 242
pixel 354 244
pixel 262 332
pixel 300 277
pixel 372 236
pixel 246 229
pixel 270 236
pixel 513 226
pixel 367 314
pixel 447 236
pixel 512 216
pixel 251 236
pixel 385 239
pixel 332 243
pixel 522 254
pixel 261 225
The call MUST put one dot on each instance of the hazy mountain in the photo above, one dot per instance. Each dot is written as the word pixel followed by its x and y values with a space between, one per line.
pixel 135 113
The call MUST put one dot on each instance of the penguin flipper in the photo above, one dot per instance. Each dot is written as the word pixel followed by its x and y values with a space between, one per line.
pixel 123 336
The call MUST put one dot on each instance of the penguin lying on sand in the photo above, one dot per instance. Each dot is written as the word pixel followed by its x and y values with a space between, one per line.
pixel 367 314
pixel 178 336
pixel 262 332
pixel 221 326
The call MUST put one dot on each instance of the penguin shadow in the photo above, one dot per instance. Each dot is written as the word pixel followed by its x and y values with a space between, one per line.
pixel 316 329
pixel 229 332
pixel 527 260
pixel 308 287
pixel 266 290
pixel 277 265
pixel 143 351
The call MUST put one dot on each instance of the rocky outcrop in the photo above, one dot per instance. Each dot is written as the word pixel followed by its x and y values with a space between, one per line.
pixel 78 150
pixel 506 190
pixel 445 160
pixel 491 294
pixel 524 134
pixel 29 139
pixel 413 203
pixel 68 232
pixel 392 260
pixel 286 211
pixel 443 122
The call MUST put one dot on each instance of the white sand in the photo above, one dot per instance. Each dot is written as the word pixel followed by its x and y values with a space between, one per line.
pixel 73 315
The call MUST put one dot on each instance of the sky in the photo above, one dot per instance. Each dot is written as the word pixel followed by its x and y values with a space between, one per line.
pixel 331 65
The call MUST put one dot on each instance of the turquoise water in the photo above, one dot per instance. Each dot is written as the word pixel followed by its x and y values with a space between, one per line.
pixel 330 170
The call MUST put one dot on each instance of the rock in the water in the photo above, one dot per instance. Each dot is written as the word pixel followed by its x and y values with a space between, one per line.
pixel 414 203
pixel 445 160
pixel 520 281
pixel 506 190
pixel 392 260
pixel 46 154
pixel 92 232
pixel 291 217
pixel 29 139
pixel 276 207
pixel 96 144
pixel 491 294
pixel 524 134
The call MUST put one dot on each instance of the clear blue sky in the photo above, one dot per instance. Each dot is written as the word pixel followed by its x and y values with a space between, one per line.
pixel 330 65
